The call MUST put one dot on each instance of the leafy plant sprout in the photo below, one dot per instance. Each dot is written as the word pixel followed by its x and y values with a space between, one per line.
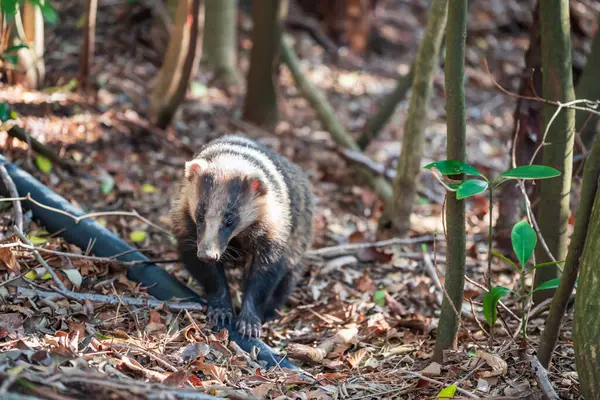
pixel 523 236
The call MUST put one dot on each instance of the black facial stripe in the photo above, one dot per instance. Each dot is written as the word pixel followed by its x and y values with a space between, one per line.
pixel 205 187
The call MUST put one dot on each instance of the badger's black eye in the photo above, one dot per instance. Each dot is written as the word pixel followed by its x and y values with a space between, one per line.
pixel 229 221
pixel 199 219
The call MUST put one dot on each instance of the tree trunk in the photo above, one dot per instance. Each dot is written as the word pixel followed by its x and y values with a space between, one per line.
pixel 260 106
pixel 182 54
pixel 527 116
pixel 31 59
pixel 553 213
pixel 586 329
pixel 588 87
pixel 396 217
pixel 456 33
pixel 589 187
pixel 87 51
pixel 219 51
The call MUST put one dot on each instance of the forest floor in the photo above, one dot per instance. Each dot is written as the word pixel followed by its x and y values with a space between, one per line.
pixel 384 301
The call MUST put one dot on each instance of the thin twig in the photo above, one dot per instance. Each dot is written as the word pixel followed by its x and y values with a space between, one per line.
pixel 12 191
pixel 86 257
pixel 432 272
pixel 91 215
pixel 41 260
pixel 592 105
pixel 105 299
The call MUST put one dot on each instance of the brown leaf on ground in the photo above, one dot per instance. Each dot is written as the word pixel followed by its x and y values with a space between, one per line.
pixel 8 260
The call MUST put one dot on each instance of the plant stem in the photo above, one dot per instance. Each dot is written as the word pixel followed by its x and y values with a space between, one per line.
pixel 489 272
pixel 523 306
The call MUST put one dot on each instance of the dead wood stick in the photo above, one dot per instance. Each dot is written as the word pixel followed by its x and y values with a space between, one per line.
pixel 318 354
pixel 542 379
pixel 19 133
pixel 41 260
pixel 343 249
pixel 12 190
pixel 105 299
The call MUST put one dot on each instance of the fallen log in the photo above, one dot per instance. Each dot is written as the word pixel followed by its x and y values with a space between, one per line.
pixel 161 285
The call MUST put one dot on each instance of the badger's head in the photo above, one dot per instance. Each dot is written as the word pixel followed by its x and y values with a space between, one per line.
pixel 224 200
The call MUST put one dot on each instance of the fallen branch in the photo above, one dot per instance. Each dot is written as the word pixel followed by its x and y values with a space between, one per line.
pixel 319 353
pixel 343 249
pixel 174 306
pixel 542 379
pixel 12 190
pixel 19 133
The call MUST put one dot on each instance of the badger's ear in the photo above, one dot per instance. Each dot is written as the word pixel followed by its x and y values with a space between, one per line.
pixel 257 185
pixel 194 168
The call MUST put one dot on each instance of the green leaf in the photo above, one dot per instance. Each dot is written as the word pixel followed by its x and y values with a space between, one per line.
pixel 15 48
pixel 11 58
pixel 36 240
pixel 530 172
pixel 447 392
pixel 453 167
pixel 46 276
pixel 47 10
pixel 4 112
pixel 31 275
pixel 542 265
pixel 523 239
pixel 471 188
pixel 138 236
pixel 551 284
pixel 148 188
pixel 379 298
pixel 43 164
pixel 490 301
pixel 500 256
pixel 9 7
pixel 198 89
pixel 108 184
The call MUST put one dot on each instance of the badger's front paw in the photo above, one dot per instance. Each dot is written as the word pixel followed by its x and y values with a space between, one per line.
pixel 249 324
pixel 219 312
pixel 219 316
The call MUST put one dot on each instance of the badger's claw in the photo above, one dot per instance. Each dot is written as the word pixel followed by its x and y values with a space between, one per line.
pixel 249 325
pixel 219 316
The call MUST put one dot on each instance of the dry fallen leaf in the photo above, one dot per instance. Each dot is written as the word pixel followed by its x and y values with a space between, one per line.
pixel 499 366
pixel 155 322
pixel 8 260
pixel 355 358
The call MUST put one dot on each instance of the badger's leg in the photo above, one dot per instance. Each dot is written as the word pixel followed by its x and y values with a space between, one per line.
pixel 280 296
pixel 212 278
pixel 261 283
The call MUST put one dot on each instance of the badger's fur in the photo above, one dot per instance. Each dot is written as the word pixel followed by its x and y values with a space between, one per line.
pixel 239 195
